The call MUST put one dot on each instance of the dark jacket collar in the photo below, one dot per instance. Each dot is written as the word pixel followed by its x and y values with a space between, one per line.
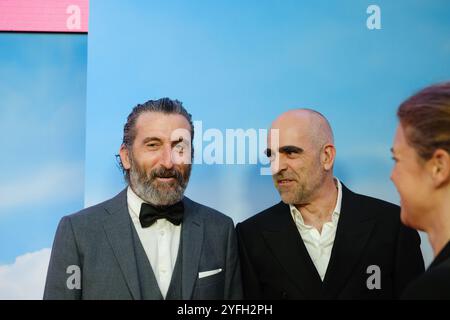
pixel 443 256
pixel 117 225
pixel 353 232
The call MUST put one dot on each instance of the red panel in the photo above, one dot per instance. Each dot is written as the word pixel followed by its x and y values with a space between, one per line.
pixel 44 15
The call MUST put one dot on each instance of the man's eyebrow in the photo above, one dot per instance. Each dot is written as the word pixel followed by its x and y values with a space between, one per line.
pixel 151 139
pixel 290 149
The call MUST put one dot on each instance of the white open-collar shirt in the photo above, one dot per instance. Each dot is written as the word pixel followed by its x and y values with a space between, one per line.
pixel 319 245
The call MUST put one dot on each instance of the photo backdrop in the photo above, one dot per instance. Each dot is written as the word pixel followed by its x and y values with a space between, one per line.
pixel 234 65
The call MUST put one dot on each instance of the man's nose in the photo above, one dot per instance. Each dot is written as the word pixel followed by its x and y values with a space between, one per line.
pixel 392 176
pixel 279 164
pixel 166 158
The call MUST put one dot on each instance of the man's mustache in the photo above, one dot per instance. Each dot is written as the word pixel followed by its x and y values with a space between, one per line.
pixel 284 175
pixel 166 173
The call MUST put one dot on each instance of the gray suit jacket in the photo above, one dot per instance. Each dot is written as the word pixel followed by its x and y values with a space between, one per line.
pixel 99 241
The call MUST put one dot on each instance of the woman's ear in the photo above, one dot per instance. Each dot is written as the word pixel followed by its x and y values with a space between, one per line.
pixel 439 166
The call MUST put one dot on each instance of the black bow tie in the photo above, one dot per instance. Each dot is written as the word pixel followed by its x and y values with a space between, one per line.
pixel 149 214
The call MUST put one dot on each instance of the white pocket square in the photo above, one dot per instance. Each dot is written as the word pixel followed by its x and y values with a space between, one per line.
pixel 209 273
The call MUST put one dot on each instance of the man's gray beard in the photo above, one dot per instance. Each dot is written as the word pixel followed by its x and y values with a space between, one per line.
pixel 304 193
pixel 297 196
pixel 146 187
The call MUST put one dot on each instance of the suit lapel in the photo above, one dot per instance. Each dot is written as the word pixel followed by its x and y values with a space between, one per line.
pixel 286 244
pixel 192 240
pixel 353 232
pixel 117 226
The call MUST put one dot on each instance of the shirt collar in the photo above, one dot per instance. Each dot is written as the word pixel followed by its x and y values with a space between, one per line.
pixel 134 202
pixel 337 209
pixel 296 215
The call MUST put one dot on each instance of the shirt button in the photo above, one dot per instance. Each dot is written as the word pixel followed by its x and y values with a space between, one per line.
pixel 161 232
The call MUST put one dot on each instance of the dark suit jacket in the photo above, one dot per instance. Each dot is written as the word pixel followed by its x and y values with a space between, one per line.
pixel 99 240
pixel 435 282
pixel 276 265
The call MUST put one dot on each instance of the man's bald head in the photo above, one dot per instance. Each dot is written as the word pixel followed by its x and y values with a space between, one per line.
pixel 302 154
pixel 308 123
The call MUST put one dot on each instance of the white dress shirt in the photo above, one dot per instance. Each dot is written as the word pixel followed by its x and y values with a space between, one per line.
pixel 319 245
pixel 160 241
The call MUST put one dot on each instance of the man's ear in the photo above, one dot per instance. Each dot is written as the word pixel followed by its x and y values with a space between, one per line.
pixel 125 157
pixel 328 156
pixel 439 166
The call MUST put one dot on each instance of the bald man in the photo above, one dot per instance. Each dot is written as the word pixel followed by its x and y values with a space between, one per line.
pixel 322 241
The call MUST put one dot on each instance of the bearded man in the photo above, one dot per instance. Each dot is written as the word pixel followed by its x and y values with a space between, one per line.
pixel 149 241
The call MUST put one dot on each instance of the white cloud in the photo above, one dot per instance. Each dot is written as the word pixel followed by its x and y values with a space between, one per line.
pixel 49 184
pixel 25 278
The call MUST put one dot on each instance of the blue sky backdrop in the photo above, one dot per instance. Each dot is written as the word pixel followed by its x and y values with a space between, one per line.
pixel 239 64
pixel 42 134
pixel 234 64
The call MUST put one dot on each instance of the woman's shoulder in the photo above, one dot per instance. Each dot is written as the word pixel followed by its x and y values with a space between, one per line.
pixel 433 284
